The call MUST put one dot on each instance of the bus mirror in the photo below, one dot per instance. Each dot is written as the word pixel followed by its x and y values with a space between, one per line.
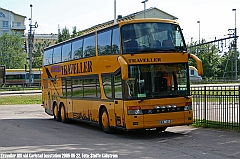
pixel 199 64
pixel 124 67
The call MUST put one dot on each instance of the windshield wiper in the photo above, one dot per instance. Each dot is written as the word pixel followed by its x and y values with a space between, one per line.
pixel 141 100
pixel 160 50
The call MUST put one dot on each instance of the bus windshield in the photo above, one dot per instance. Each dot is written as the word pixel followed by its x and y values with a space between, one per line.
pixel 159 80
pixel 152 37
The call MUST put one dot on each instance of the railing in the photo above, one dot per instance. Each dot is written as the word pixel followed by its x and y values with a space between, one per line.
pixel 20 27
pixel 217 106
pixel 20 86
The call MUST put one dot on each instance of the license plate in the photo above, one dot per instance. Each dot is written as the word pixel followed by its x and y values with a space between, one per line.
pixel 164 121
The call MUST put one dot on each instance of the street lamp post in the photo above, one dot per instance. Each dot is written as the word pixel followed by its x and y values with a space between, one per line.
pixel 235 48
pixel 30 38
pixel 144 7
pixel 199 32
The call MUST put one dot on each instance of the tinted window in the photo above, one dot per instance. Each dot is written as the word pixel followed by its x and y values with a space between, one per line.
pixel 89 46
pixel 66 52
pixel 69 87
pixel 104 43
pixel 57 54
pixel 77 87
pixel 115 41
pixel 107 85
pixel 77 49
pixel 64 86
pixel 47 57
pixel 118 85
pixel 91 88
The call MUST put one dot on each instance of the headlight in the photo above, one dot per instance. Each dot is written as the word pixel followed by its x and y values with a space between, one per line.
pixel 189 107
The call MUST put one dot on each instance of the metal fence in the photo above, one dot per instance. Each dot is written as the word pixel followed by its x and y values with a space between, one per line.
pixel 217 106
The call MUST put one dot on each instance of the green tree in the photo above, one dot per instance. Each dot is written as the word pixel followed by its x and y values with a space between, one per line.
pixel 211 60
pixel 11 51
pixel 74 32
pixel 64 35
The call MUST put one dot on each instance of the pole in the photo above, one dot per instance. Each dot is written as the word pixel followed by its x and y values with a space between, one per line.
pixel 30 50
pixel 235 49
pixel 30 37
pixel 144 7
pixel 199 32
pixel 115 21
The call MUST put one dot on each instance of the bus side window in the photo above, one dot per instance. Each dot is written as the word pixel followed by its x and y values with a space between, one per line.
pixel 89 46
pixel 107 85
pixel 115 41
pixel 66 52
pixel 77 49
pixel 104 43
pixel 57 54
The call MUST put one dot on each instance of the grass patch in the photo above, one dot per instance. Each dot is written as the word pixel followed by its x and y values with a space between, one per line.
pixel 21 99
pixel 217 125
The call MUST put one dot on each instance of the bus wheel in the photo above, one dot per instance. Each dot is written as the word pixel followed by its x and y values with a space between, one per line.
pixel 161 129
pixel 63 114
pixel 56 114
pixel 105 121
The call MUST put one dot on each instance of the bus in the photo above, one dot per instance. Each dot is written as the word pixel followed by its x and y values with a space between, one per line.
pixel 21 77
pixel 127 76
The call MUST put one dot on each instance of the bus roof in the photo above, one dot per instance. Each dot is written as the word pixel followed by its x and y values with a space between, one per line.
pixel 108 25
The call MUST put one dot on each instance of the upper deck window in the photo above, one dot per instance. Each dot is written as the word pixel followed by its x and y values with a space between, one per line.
pixel 77 49
pixel 104 43
pixel 109 42
pixel 47 57
pixel 66 52
pixel 57 54
pixel 89 46
pixel 152 37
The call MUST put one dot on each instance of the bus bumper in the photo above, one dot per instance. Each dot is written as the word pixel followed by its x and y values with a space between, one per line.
pixel 148 121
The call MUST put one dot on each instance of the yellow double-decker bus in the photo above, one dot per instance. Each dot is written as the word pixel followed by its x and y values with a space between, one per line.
pixel 130 75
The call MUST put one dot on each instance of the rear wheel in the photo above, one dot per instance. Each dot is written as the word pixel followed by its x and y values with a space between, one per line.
pixel 105 124
pixel 56 113
pixel 63 114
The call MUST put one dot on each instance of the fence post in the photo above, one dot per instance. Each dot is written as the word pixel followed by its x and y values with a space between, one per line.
pixel 238 107
pixel 205 103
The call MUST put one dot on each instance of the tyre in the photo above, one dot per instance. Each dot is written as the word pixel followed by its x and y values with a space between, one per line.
pixel 63 114
pixel 56 113
pixel 105 124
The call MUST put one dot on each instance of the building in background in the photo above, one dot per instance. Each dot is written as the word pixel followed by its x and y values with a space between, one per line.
pixel 10 21
pixel 152 12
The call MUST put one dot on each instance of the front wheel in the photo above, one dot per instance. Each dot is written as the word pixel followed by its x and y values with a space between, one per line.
pixel 105 121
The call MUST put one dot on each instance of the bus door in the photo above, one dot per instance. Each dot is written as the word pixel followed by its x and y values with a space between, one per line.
pixel 69 102
pixel 119 116
pixel 118 100
pixel 46 96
